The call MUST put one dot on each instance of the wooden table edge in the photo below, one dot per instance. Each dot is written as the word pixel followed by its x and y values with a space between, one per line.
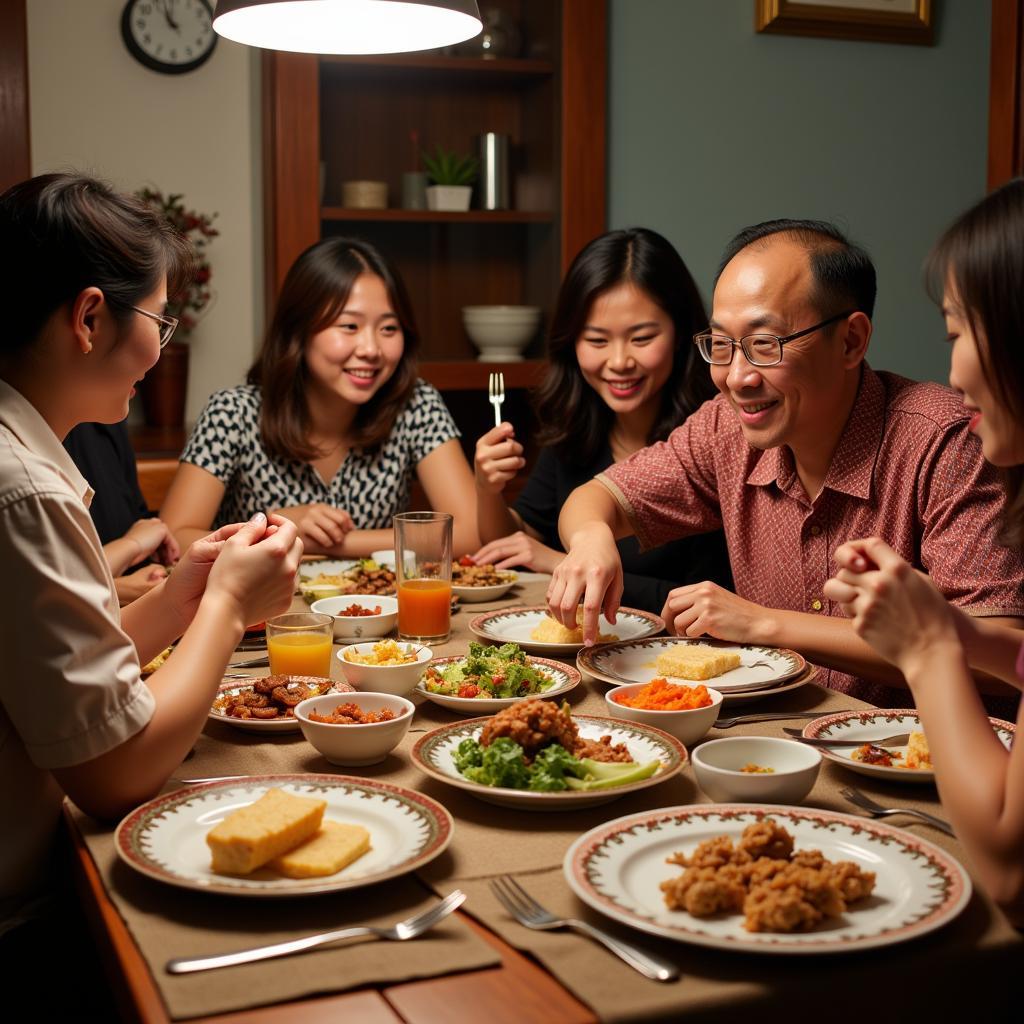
pixel 495 994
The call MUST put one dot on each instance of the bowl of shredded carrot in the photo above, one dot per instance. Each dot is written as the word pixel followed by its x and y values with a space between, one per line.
pixel 686 712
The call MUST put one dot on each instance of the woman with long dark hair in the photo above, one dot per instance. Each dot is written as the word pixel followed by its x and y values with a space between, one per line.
pixel 333 422
pixel 84 279
pixel 977 268
pixel 622 373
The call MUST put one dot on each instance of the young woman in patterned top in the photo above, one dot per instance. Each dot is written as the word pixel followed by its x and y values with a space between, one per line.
pixel 977 269
pixel 332 423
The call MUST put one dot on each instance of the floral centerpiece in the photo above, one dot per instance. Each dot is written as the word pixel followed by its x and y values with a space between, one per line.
pixel 197 228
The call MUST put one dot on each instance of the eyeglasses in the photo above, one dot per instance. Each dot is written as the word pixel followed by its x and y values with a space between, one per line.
pixel 759 349
pixel 167 324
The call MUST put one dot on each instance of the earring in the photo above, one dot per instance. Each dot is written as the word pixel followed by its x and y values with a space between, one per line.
pixel 89 349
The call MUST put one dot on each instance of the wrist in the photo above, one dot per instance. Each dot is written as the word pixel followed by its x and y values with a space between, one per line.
pixel 934 661
pixel 227 611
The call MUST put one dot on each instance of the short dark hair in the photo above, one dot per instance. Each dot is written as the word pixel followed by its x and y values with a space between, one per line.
pixel 314 292
pixel 843 274
pixel 982 253
pixel 573 417
pixel 62 233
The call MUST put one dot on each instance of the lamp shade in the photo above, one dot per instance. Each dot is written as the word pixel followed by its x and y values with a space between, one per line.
pixel 347 26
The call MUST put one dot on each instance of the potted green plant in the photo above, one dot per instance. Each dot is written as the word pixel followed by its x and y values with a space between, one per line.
pixel 452 176
pixel 164 387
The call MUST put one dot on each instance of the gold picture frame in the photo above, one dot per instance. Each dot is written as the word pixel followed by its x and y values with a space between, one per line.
pixel 879 21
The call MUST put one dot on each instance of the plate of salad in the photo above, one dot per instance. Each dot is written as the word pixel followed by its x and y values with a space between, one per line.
pixel 489 679
pixel 568 761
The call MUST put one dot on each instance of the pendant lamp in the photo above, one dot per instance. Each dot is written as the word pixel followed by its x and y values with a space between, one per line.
pixel 347 26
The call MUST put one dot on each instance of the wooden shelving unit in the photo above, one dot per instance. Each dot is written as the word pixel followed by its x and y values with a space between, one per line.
pixel 339 213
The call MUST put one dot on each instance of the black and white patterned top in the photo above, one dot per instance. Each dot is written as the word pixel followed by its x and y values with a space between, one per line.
pixel 370 486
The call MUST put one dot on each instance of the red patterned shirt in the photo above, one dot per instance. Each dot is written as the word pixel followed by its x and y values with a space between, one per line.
pixel 906 469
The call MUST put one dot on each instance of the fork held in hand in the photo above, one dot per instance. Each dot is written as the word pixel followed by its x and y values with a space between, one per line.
pixel 496 394
pixel 408 929
pixel 529 913
pixel 865 803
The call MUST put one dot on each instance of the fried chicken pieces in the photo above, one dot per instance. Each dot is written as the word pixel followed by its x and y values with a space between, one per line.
pixel 776 889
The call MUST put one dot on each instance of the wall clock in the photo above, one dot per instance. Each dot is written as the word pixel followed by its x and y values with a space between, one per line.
pixel 171 36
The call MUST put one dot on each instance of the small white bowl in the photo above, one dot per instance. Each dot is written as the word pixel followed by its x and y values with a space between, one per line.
pixel 717 765
pixel 385 558
pixel 355 627
pixel 395 679
pixel 315 592
pixel 501 333
pixel 686 726
pixel 355 745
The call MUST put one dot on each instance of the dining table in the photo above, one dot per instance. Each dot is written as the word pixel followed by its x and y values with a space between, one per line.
pixel 480 966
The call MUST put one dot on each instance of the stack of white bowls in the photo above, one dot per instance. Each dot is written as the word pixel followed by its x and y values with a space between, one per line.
pixel 501 333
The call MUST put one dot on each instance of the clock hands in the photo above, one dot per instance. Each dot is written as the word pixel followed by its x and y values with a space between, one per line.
pixel 167 14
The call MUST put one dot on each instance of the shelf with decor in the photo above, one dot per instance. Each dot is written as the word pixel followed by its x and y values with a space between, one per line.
pixel 332 120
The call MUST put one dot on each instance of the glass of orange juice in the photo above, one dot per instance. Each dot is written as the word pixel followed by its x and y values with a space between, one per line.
pixel 299 644
pixel 423 569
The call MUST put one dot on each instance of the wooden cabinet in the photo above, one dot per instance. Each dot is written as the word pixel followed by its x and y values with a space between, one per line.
pixel 356 114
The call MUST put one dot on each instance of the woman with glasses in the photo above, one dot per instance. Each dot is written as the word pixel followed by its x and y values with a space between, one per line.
pixel 976 268
pixel 333 422
pixel 84 276
pixel 622 373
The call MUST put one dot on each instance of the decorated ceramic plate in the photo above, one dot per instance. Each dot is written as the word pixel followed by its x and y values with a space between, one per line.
pixel 875 724
pixel 516 624
pixel 745 696
pixel 433 755
pixel 633 661
pixel 314 684
pixel 562 679
pixel 617 869
pixel 166 838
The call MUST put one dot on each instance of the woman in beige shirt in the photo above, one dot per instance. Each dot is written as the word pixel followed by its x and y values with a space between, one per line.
pixel 84 278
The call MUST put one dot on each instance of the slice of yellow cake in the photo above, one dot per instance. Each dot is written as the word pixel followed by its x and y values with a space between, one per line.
pixel 918 755
pixel 695 661
pixel 334 847
pixel 247 838
pixel 548 631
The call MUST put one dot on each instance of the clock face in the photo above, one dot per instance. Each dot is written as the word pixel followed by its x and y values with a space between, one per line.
pixel 171 36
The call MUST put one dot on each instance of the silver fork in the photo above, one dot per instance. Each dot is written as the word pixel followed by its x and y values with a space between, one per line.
pixel 528 912
pixel 767 716
pixel 496 394
pixel 865 803
pixel 408 929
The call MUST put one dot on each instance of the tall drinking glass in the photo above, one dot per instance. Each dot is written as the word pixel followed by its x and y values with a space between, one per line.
pixel 423 568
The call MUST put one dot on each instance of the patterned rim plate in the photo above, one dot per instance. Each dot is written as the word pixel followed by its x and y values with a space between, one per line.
pixel 565 678
pixel 514 625
pixel 166 838
pixel 433 754
pixel 809 675
pixel 617 869
pixel 272 724
pixel 632 661
pixel 874 724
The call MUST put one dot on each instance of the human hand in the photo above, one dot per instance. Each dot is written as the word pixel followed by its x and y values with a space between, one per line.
pixel 152 537
pixel 130 588
pixel 321 527
pixel 521 549
pixel 591 571
pixel 498 458
pixel 707 608
pixel 896 609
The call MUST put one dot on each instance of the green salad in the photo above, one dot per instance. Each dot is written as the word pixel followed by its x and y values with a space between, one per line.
pixel 488 672
pixel 553 770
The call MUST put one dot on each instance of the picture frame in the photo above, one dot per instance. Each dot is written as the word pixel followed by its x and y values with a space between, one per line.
pixel 879 21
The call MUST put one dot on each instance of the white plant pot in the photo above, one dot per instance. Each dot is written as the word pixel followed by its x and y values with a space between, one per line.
pixel 449 197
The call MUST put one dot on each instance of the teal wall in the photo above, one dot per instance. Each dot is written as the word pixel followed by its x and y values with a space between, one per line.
pixel 713 126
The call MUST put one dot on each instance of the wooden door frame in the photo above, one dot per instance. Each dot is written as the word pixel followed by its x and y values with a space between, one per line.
pixel 15 153
pixel 1006 92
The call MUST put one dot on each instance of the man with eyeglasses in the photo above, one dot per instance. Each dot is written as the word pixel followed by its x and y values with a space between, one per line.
pixel 805 447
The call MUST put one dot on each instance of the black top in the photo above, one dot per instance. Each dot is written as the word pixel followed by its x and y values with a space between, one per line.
pixel 648 575
pixel 104 456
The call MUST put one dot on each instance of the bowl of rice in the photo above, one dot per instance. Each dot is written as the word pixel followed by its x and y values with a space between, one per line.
pixel 386 666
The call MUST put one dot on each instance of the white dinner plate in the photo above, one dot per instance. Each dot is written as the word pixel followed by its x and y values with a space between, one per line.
pixel 633 661
pixel 617 869
pixel 745 696
pixel 474 595
pixel 166 838
pixel 433 754
pixel 874 724
pixel 563 679
pixel 514 625
pixel 270 724
pixel 308 571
